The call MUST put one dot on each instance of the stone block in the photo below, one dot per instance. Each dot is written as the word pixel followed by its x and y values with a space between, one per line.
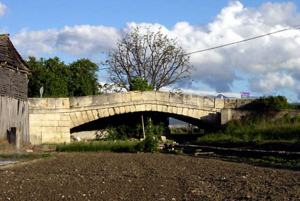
pixel 138 108
pixel 85 117
pixel 48 129
pixel 35 103
pixel 34 123
pixel 71 125
pixel 51 123
pixel 189 99
pixel 95 114
pixel 63 124
pixel 176 98
pixel 143 107
pixel 159 108
pixel 74 119
pixel 127 109
pixel 132 108
pixel 64 117
pixel 111 111
pixel 100 113
pixel 117 110
pixel 135 96
pixel 200 101
pixel 148 96
pixel 196 114
pixel 226 116
pixel 114 98
pixel 170 109
pixel 179 110
pixel 58 103
pixel 165 108
pixel 190 112
pixel 66 103
pixel 105 112
pixel 51 103
pixel 63 129
pixel 148 107
pixel 79 118
pixel 49 117
pixel 90 115
pixel 185 111
pixel 45 103
pixel 174 110
pixel 219 103
pixel 126 97
pixel 153 107
pixel 162 96
pixel 230 103
pixel 100 99
pixel 122 110
pixel 209 102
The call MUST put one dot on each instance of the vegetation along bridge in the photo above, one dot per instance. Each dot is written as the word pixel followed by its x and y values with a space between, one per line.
pixel 51 119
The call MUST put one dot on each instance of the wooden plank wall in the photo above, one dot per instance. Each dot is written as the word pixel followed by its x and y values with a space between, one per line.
pixel 13 84
pixel 14 113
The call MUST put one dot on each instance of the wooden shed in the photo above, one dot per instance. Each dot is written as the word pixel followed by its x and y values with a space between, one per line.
pixel 13 91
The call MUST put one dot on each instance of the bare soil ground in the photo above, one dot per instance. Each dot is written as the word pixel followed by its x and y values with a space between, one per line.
pixel 128 176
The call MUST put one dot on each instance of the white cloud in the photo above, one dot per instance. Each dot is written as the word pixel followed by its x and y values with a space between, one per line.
pixel 2 9
pixel 273 81
pixel 267 63
pixel 84 40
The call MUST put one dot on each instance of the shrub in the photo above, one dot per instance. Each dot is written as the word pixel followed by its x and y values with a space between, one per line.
pixel 140 84
pixel 270 103
pixel 148 145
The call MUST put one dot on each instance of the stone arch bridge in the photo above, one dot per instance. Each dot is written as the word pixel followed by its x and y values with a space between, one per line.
pixel 50 119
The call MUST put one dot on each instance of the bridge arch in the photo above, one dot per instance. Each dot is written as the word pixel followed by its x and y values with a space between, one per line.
pixel 85 109
pixel 51 119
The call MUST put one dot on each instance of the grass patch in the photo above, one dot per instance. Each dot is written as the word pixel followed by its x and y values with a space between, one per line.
pixel 285 129
pixel 24 155
pixel 266 160
pixel 95 146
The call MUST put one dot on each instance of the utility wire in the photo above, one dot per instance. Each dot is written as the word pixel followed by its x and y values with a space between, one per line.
pixel 241 41
pixel 248 39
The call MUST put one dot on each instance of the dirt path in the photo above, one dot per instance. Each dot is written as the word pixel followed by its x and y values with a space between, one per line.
pixel 125 176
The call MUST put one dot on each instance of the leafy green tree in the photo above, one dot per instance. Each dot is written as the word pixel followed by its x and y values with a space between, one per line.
pixel 152 57
pixel 51 74
pixel 60 80
pixel 84 79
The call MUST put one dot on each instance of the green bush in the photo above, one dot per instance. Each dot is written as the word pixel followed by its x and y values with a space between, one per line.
pixel 140 84
pixel 118 133
pixel 271 103
pixel 148 145
pixel 124 132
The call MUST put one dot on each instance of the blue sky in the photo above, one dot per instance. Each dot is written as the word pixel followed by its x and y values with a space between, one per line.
pixel 75 29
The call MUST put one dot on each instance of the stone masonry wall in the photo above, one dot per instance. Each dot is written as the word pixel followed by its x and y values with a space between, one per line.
pixel 50 119
pixel 47 124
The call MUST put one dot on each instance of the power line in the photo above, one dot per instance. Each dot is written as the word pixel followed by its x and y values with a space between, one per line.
pixel 212 48
pixel 241 41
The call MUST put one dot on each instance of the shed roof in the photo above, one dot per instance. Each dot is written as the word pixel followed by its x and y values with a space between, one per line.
pixel 10 58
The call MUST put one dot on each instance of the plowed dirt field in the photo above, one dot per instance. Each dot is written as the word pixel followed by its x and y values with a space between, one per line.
pixel 129 176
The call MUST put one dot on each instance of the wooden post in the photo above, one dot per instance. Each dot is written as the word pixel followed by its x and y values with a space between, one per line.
pixel 15 136
pixel 143 127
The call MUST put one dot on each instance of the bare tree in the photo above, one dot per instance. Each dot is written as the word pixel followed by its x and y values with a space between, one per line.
pixel 153 56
